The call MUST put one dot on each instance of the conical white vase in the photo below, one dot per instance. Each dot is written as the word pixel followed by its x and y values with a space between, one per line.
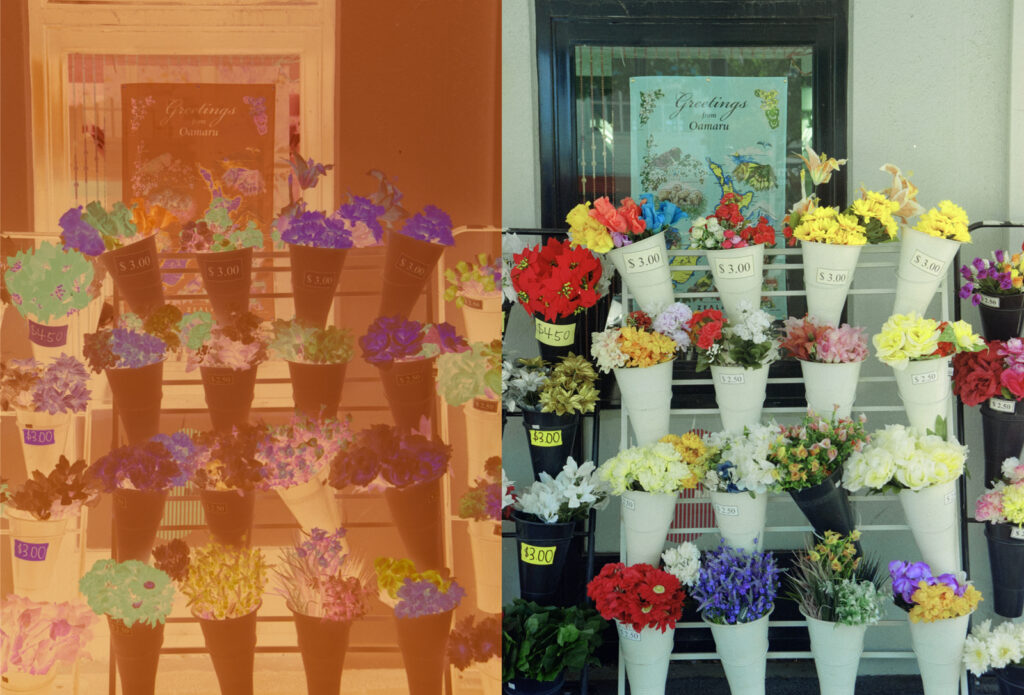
pixel 24 683
pixel 647 517
pixel 43 438
pixel 924 260
pixel 481 314
pixel 483 434
pixel 828 272
pixel 486 548
pixel 35 548
pixel 740 395
pixel 739 275
pixel 743 650
pixel 643 266
pixel 313 505
pixel 932 515
pixel 830 386
pixel 924 387
pixel 647 655
pixel 740 518
pixel 837 650
pixel 939 647
pixel 647 397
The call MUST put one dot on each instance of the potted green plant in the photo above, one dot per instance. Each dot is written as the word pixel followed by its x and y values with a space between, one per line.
pixel 540 643
pixel 37 637
pixel 316 359
pixel 472 379
pixel 227 475
pixel 475 287
pixel 481 507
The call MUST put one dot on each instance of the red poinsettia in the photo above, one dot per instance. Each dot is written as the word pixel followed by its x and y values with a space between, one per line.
pixel 706 328
pixel 555 280
pixel 639 595
pixel 639 319
pixel 979 376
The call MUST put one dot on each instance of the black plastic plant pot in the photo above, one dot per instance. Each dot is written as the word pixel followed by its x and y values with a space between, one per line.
pixel 1006 558
pixel 558 337
pixel 550 438
pixel 528 686
pixel 137 652
pixel 229 515
pixel 541 550
pixel 506 311
pixel 827 506
pixel 136 517
pixel 417 511
pixel 1002 316
pixel 323 644
pixel 1002 431
pixel 1011 680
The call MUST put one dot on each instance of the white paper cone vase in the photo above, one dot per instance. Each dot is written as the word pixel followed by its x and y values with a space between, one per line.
pixel 939 648
pixel 740 518
pixel 24 683
pixel 43 438
pixel 646 654
pixel 312 504
pixel 739 274
pixel 743 650
pixel 647 397
pixel 830 386
pixel 924 387
pixel 49 339
pixel 647 517
pixel 643 266
pixel 740 395
pixel 481 314
pixel 483 434
pixel 932 515
pixel 924 260
pixel 485 545
pixel 35 547
pixel 828 271
pixel 836 649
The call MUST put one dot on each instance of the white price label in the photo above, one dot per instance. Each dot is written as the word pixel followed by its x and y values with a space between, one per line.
pixel 627 632
pixel 1001 404
pixel 926 378
pixel 731 378
pixel 739 267
pixel 950 497
pixel 727 510
pixel 1017 533
pixel 828 276
pixel 932 266
pixel 629 504
pixel 989 300
pixel 643 261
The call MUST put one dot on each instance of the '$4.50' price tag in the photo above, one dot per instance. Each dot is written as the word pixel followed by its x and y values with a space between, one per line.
pixel 555 334
pixel 536 555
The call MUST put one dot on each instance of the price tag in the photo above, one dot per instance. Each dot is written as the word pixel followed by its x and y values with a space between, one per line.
pixel 556 335
pixel 642 261
pixel 414 378
pixel 536 555
pixel 546 437
pixel 740 267
pixel 731 378
pixel 222 271
pixel 989 300
pixel 38 437
pixel 485 404
pixel 926 378
pixel 628 504
pixel 932 266
pixel 410 266
pixel 727 510
pixel 627 632
pixel 47 336
pixel 472 302
pixel 950 497
pixel 134 263
pixel 31 552
pixel 1017 533
pixel 314 280
pixel 1002 405
pixel 215 508
pixel 827 276
pixel 222 379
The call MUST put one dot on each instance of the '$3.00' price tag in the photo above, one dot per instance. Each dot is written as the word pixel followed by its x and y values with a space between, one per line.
pixel 537 555
pixel 642 261
pixel 741 267
pixel 546 437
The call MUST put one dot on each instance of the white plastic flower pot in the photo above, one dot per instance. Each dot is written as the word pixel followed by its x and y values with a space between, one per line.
pixel 643 266
pixel 739 274
pixel 646 654
pixel 740 395
pixel 743 650
pixel 939 648
pixel 481 315
pixel 313 505
pixel 828 271
pixel 35 547
pixel 485 545
pixel 830 386
pixel 49 340
pixel 740 518
pixel 43 438
pixel 932 515
pixel 837 649
pixel 646 517
pixel 483 434
pixel 21 682
pixel 647 397
pixel 924 260
pixel 924 387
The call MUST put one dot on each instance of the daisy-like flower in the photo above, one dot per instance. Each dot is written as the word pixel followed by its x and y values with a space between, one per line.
pixel 683 562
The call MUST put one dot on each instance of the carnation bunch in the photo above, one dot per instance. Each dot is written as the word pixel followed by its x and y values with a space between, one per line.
pixel 910 337
pixel 48 283
pixel 130 591
pixel 831 582
pixel 640 596
pixel 303 341
pixel 949 221
pixel 728 227
pixel 1002 275
pixel 148 466
pixel 417 593
pixel 60 387
pixel 474 641
pixel 239 345
pixel 474 279
pixel 59 495
pixel 386 454
pixel 473 373
pixel 569 496
pixel 97 229
pixel 900 458
pixel 483 500
pixel 657 468
pixel 565 388
pixel 133 342
pixel 555 280
pixel 606 227
pixel 739 461
pixel 996 371
pixel 432 225
pixel 808 453
pixel 645 339
pixel 1003 502
pixel 39 635
pixel 683 563
pixel 928 598
pixel 750 342
pixel 297 451
pixel 317 578
pixel 221 582
pixel 987 648
pixel 392 339
pixel 808 340
pixel 735 586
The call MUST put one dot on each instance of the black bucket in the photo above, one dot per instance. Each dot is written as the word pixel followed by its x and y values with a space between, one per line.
pixel 528 686
pixel 1011 680
pixel 558 337
pixel 1004 320
pixel 541 550
pixel 1006 558
pixel 1003 434
pixel 827 506
pixel 550 438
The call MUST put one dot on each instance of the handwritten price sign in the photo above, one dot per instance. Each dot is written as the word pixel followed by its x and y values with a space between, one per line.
pixel 741 267
pixel 932 266
pixel 38 437
pixel 825 276
pixel 31 552
pixel 554 334
pixel 47 336
pixel 546 437
pixel 537 555
pixel 643 261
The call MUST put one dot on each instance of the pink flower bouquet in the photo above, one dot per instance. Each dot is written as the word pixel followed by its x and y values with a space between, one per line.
pixel 37 636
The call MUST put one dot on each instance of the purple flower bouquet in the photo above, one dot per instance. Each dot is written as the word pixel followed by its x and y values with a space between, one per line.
pixel 60 387
pixel 389 455
pixel 149 467
pixel 735 586
pixel 392 339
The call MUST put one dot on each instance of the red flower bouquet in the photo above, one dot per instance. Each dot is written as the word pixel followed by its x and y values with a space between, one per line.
pixel 638 595
pixel 728 229
pixel 995 372
pixel 556 280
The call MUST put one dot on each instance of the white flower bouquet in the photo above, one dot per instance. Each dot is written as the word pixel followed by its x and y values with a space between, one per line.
pixel 739 460
pixel 898 458
pixel 567 497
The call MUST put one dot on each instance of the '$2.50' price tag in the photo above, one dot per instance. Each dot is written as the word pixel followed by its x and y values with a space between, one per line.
pixel 536 555
pixel 546 437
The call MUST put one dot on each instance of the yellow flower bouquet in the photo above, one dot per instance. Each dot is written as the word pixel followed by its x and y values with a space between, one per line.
pixel 949 221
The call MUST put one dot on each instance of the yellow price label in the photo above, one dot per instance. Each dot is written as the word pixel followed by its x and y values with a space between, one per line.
pixel 546 437
pixel 536 555
pixel 555 334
